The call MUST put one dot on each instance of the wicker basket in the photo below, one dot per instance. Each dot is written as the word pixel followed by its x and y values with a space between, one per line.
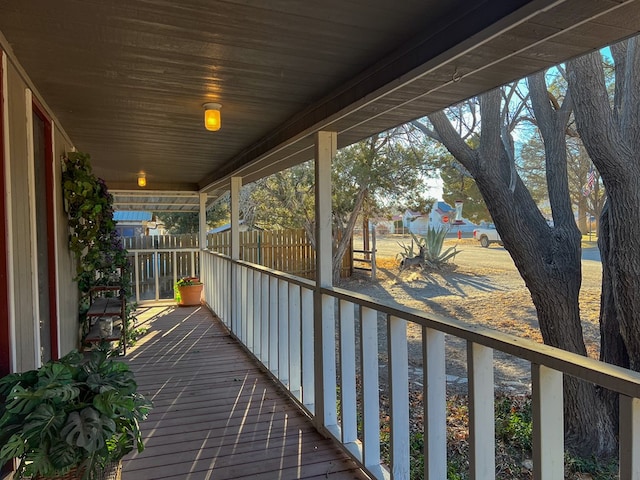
pixel 113 471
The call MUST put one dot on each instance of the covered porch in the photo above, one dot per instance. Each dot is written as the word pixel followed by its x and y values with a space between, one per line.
pixel 127 81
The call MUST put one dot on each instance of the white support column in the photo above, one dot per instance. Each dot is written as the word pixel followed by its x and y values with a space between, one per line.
pixel 202 235
pixel 482 437
pixel 435 408
pixel 548 423
pixel 629 438
pixel 324 315
pixel 236 184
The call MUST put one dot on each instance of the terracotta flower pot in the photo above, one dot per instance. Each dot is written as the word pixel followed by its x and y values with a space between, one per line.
pixel 190 295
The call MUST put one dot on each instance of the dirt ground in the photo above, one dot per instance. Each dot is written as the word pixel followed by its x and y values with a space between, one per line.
pixel 490 295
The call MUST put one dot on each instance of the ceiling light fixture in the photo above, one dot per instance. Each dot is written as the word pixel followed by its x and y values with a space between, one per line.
pixel 212 116
pixel 142 180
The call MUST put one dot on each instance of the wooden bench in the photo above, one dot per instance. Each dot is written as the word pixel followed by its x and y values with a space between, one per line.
pixel 106 302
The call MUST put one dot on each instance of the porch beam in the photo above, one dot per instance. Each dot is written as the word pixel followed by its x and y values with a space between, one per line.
pixel 324 316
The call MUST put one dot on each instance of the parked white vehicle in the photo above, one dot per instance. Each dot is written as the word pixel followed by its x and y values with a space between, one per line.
pixel 487 236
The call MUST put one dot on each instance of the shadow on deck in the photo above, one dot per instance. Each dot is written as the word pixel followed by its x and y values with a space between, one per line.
pixel 216 415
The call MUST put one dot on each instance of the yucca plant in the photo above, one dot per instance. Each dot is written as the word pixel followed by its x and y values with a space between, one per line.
pixel 431 247
pixel 74 412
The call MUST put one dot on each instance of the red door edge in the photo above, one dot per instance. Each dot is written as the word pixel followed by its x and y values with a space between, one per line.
pixel 51 246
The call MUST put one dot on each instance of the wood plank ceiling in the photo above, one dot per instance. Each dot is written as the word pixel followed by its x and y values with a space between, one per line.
pixel 127 79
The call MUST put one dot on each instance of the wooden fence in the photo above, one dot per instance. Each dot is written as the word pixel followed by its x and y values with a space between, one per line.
pixel 288 251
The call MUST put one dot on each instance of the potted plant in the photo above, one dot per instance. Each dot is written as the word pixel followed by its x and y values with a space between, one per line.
pixel 73 418
pixel 188 291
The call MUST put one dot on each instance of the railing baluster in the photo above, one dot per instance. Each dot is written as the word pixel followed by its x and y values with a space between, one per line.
pixel 398 396
pixel 156 274
pixel 629 438
pixel 250 318
pixel 348 373
pixel 435 404
pixel 264 320
pixel 294 341
pixel 243 305
pixel 136 269
pixel 257 315
pixel 273 325
pixel 308 381
pixel 370 389
pixel 283 332
pixel 481 412
pixel 325 364
pixel 548 423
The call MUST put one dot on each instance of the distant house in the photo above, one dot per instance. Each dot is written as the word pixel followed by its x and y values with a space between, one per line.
pixel 130 223
pixel 441 215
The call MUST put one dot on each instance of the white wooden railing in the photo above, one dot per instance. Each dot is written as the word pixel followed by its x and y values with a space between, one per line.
pixel 155 271
pixel 282 320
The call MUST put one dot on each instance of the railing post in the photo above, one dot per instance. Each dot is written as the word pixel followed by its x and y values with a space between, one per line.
pixel 398 396
pixel 482 463
pixel 435 404
pixel 348 373
pixel 629 438
pixel 548 423
pixel 370 389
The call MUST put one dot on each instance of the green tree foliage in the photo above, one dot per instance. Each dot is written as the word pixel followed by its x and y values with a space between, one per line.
pixel 459 185
pixel 370 178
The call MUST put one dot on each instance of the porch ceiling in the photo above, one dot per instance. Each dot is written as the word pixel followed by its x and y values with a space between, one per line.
pixel 127 79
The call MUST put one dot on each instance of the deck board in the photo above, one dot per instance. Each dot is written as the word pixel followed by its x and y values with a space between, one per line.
pixel 216 416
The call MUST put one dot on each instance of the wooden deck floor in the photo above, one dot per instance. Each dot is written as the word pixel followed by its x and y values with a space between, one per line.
pixel 215 415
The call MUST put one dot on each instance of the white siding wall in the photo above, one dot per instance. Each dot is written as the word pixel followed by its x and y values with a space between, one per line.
pixel 19 229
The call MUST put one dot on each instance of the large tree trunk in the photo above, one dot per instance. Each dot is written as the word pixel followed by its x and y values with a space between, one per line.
pixel 548 258
pixel 612 138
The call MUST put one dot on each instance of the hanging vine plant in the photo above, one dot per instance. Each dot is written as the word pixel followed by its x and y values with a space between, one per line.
pixel 93 240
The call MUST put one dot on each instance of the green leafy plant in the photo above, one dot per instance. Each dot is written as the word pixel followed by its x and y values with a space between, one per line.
pixel 72 412
pixel 184 282
pixel 93 240
pixel 188 281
